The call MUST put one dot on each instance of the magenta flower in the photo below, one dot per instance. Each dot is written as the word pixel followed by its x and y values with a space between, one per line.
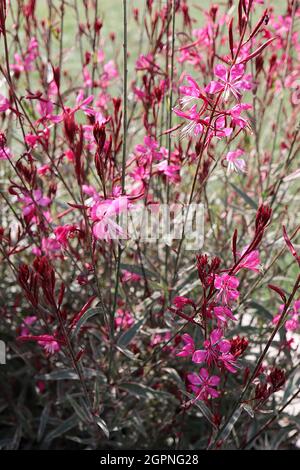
pixel 31 202
pixel 214 347
pixel 123 319
pixel 223 314
pixel 189 346
pixel 170 171
pixel 227 287
pixel 48 342
pixel 62 234
pixel 191 93
pixel 236 117
pixel 250 261
pixel 4 104
pixel 104 214
pixel 230 81
pixel 180 302
pixel 27 322
pixel 195 126
pixel 235 163
pixel 229 362
pixel 203 384
pixel 292 322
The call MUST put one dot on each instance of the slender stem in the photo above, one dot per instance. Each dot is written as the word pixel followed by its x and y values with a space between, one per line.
pixel 125 71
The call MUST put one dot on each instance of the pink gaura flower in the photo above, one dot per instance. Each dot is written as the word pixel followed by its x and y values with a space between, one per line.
pixel 48 342
pixel 161 338
pixel 204 385
pixel 191 93
pixel 293 321
pixel 26 63
pixel 250 261
pixel 27 322
pixel 220 129
pixel 180 302
pixel 37 199
pixel 123 319
pixel 127 276
pixel 216 352
pixel 5 153
pixel 227 287
pixel 223 314
pixel 63 232
pixel 236 117
pixel 104 214
pixel 230 81
pixel 195 126
pixel 170 171
pixel 235 163
pixel 149 151
pixel 213 347
pixel 4 104
pixel 49 247
pixel 189 346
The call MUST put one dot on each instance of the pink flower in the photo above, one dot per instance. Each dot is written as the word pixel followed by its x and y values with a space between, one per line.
pixel 191 93
pixel 127 276
pixel 189 346
pixel 26 63
pixel 5 153
pixel 104 214
pixel 149 151
pixel 4 104
pixel 227 287
pixel 203 384
pixel 170 171
pixel 214 346
pixel 123 319
pixel 27 321
pixel 250 261
pixel 223 313
pixel 195 126
pixel 216 352
pixel 230 81
pixel 180 302
pixel 30 202
pixel 43 170
pixel 235 114
pixel 292 322
pixel 234 162
pixel 161 339
pixel 48 342
pixel 229 361
pixel 62 233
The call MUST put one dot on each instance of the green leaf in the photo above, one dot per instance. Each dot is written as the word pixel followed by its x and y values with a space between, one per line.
pixel 103 426
pixel 138 390
pixel 64 427
pixel 230 425
pixel 205 411
pixel 133 268
pixel 262 310
pixel 245 196
pixel 67 374
pixel 145 392
pixel 129 334
pixel 43 422
pixel 79 410
pixel 85 317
